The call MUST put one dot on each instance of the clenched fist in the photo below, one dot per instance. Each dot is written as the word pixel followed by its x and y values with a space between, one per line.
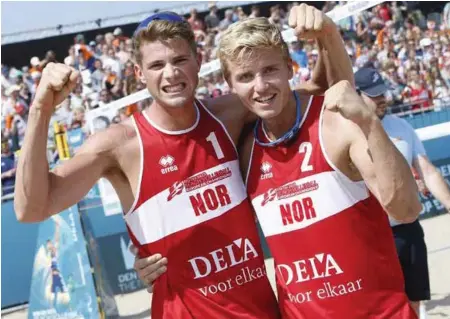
pixel 309 22
pixel 57 81
pixel 343 98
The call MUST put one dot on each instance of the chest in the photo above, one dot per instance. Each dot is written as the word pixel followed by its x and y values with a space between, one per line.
pixel 191 160
pixel 278 166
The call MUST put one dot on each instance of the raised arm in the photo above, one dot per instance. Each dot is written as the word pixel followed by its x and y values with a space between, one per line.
pixel 333 64
pixel 381 165
pixel 40 193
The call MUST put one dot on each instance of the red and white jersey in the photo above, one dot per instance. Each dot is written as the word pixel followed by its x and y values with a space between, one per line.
pixel 332 245
pixel 192 207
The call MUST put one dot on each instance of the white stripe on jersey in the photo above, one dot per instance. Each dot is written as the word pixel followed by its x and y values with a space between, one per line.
pixel 332 195
pixel 159 217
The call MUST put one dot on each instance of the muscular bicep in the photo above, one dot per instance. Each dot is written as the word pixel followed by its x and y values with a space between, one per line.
pixel 71 180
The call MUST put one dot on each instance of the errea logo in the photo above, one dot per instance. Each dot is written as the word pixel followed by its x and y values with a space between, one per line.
pixel 266 170
pixel 167 163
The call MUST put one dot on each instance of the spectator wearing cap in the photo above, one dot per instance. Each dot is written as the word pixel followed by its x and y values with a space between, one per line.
pixel 93 47
pixel 83 53
pixel 36 78
pixel 35 64
pixel 409 238
pixel 427 49
pixel 118 37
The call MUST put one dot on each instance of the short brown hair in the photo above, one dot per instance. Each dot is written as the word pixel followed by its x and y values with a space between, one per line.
pixel 241 39
pixel 163 30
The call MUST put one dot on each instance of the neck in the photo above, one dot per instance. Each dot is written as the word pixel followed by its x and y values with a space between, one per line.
pixel 173 118
pixel 277 126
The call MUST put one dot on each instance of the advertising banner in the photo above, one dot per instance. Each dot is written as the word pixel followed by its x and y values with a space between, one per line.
pixel 115 253
pixel 62 285
pixel 431 206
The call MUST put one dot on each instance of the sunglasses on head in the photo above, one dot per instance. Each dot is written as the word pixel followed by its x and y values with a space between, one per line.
pixel 165 16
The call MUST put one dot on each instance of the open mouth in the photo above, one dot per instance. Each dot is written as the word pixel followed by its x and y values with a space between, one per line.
pixel 265 99
pixel 174 88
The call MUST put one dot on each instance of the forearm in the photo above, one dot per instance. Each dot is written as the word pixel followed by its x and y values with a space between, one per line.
pixel 438 187
pixel 32 176
pixel 336 64
pixel 396 187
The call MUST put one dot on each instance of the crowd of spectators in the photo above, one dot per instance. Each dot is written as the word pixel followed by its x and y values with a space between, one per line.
pixel 411 51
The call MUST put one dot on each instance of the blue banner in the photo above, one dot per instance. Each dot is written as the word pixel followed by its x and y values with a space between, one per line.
pixel 18 247
pixel 431 206
pixel 62 285
pixel 114 251
pixel 75 139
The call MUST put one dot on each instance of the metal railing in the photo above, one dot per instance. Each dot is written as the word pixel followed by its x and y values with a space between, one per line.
pixel 419 107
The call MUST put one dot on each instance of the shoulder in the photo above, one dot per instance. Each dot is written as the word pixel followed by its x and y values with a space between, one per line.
pixel 225 104
pixel 110 139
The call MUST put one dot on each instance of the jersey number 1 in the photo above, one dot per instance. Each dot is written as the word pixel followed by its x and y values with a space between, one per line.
pixel 215 143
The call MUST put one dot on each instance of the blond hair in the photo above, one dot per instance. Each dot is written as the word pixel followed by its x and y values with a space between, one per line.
pixel 241 39
pixel 163 30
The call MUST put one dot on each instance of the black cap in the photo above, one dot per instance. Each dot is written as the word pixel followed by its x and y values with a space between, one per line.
pixel 370 82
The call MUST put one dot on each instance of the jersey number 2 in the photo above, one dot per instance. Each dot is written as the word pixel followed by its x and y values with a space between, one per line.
pixel 306 148
pixel 215 143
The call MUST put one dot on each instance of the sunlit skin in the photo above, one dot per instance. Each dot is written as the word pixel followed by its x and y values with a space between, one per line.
pixel 262 84
pixel 378 104
pixel 165 65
